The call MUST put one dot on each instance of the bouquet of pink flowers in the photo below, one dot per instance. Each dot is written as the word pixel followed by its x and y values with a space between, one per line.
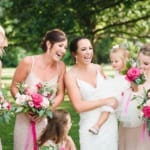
pixel 133 73
pixel 5 109
pixel 37 99
pixel 145 107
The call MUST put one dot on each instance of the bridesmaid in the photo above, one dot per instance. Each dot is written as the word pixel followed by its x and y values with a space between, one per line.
pixel 3 43
pixel 46 67
pixel 130 130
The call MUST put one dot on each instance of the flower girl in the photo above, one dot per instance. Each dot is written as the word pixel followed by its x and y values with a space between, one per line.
pixel 55 135
pixel 111 86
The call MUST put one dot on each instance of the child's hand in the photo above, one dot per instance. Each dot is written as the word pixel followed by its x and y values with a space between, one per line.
pixel 112 102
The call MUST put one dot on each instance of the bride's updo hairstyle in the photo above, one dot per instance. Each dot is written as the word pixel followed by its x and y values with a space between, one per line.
pixel 53 36
pixel 74 44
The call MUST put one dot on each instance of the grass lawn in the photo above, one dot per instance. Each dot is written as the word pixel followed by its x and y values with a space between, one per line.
pixel 6 130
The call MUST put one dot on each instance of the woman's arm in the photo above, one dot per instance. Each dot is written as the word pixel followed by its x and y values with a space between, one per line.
pixel 20 74
pixel 79 104
pixel 61 87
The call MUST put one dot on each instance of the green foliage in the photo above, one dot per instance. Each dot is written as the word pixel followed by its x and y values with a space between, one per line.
pixel 27 21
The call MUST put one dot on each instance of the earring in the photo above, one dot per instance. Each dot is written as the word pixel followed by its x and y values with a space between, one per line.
pixel 76 60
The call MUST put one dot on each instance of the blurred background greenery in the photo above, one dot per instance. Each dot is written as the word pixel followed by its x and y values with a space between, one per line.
pixel 106 23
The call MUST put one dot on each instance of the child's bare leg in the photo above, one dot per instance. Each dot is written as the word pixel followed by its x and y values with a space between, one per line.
pixel 102 119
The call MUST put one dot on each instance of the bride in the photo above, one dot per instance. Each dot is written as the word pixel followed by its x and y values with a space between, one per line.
pixel 82 82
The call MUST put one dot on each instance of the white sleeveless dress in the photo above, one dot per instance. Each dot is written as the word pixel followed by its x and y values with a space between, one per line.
pixel 107 139
pixel 22 137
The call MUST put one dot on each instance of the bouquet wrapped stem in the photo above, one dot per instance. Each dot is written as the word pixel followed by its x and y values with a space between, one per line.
pixel 134 86
pixel 148 125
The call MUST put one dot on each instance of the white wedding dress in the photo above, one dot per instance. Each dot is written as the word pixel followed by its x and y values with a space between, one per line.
pixel 107 138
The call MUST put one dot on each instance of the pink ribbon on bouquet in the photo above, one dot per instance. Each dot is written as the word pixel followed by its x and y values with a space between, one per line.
pixel 143 130
pixel 32 129
pixel 126 96
pixel 33 125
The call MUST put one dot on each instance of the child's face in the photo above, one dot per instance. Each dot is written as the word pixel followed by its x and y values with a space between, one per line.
pixel 144 62
pixel 116 62
pixel 69 123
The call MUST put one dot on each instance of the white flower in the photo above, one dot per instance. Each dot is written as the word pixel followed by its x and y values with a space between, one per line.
pixel 21 99
pixel 0 106
pixel 45 103
pixel 45 93
pixel 141 114
pixel 31 104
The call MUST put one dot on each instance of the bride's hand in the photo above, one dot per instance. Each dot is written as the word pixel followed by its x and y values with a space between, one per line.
pixel 33 117
pixel 111 101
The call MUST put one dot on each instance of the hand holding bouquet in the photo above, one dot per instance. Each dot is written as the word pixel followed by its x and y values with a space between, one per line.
pixel 145 108
pixel 36 100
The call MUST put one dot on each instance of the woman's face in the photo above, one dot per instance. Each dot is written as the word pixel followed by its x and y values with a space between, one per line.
pixel 144 62
pixel 58 50
pixel 69 123
pixel 84 53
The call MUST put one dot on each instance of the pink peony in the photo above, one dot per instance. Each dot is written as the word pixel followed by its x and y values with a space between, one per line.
pixel 133 73
pixel 37 100
pixel 146 111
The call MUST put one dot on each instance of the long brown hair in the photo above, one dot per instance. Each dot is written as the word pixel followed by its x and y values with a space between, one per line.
pixel 55 129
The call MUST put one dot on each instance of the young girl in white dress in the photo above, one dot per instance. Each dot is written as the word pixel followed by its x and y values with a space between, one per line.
pixel 55 135
pixel 3 43
pixel 113 87
pixel 131 127
pixel 45 68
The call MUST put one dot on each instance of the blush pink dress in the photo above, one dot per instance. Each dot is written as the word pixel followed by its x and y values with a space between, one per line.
pixel 22 130
pixel 131 135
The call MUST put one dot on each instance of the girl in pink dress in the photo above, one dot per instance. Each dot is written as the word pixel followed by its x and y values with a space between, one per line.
pixel 55 134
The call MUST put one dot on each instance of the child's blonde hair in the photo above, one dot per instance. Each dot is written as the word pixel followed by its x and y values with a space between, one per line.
pixel 145 49
pixel 122 53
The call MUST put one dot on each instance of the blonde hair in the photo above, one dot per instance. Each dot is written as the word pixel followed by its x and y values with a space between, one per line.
pixel 145 49
pixel 122 53
pixel 3 40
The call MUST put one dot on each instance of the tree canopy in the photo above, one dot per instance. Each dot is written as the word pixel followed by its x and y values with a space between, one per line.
pixel 101 21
